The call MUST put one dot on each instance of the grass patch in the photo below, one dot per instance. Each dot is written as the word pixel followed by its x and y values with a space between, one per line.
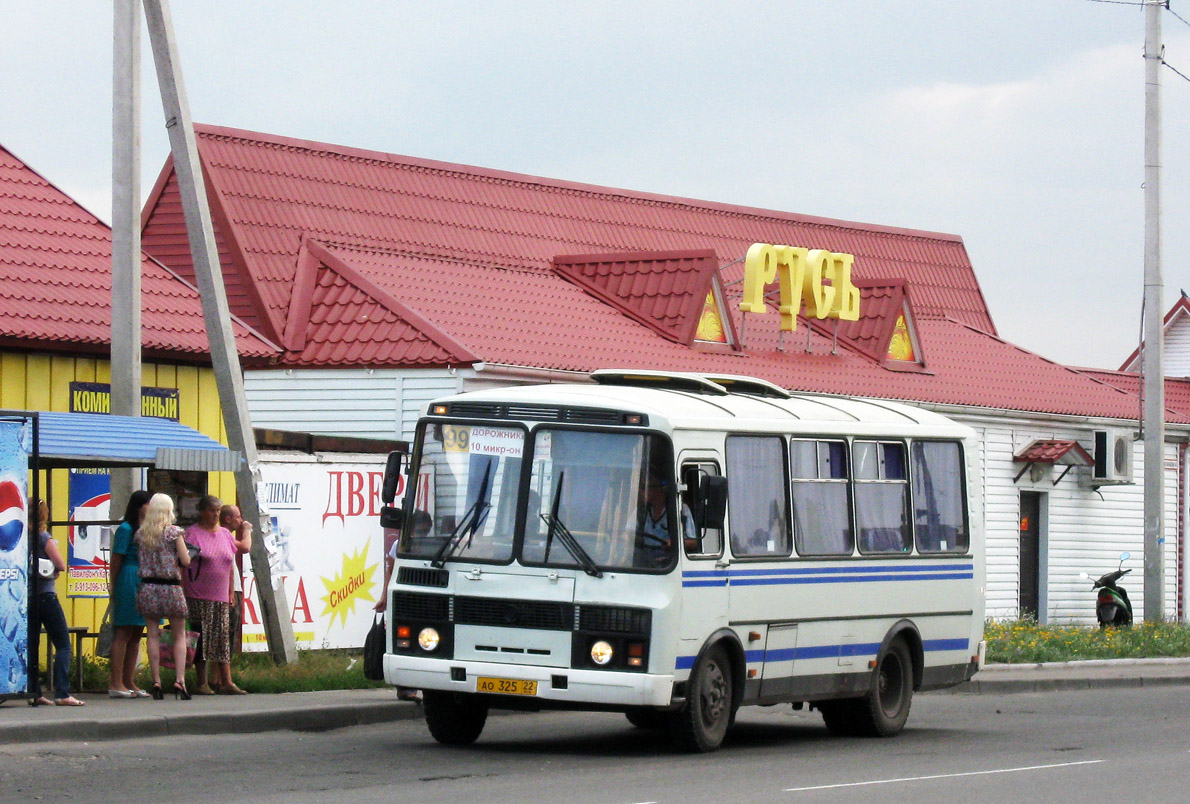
pixel 1026 642
pixel 255 672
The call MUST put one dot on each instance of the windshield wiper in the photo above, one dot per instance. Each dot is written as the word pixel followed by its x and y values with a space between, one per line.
pixel 556 528
pixel 472 520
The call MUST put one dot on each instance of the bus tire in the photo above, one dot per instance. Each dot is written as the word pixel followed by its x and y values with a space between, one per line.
pixel 646 718
pixel 883 712
pixel 454 718
pixel 840 716
pixel 701 724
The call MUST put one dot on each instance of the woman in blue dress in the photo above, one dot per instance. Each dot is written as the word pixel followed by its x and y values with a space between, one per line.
pixel 126 620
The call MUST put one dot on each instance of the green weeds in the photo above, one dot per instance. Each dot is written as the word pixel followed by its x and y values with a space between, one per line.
pixel 1026 641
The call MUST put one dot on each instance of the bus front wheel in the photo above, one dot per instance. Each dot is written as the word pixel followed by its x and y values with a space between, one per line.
pixel 454 718
pixel 702 723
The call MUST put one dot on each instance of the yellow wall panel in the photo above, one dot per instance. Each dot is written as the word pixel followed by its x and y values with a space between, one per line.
pixel 12 381
pixel 42 382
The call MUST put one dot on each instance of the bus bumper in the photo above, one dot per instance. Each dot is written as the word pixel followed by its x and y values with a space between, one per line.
pixel 608 688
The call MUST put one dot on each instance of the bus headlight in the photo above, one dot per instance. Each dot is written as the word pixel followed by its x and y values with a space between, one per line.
pixel 428 639
pixel 601 652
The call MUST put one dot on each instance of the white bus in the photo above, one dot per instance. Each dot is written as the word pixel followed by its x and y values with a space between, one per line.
pixel 675 546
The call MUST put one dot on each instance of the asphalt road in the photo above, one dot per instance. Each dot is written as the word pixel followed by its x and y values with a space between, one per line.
pixel 1133 744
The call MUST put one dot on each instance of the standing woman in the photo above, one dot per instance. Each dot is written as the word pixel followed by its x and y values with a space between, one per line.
pixel 126 620
pixel 48 611
pixel 163 554
pixel 208 584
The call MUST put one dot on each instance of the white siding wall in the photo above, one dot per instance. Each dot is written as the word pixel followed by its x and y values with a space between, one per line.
pixel 1177 348
pixel 415 389
pixel 347 402
pixel 1081 530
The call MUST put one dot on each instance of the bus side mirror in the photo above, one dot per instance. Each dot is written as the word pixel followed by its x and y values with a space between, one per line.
pixel 390 517
pixel 714 501
pixel 392 477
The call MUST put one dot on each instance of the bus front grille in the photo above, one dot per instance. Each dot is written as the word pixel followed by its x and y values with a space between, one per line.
pixel 540 614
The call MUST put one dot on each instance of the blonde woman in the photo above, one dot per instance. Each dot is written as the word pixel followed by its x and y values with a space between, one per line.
pixel 162 549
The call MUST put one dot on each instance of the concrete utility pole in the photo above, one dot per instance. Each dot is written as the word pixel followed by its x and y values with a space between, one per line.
pixel 1152 363
pixel 274 607
pixel 126 256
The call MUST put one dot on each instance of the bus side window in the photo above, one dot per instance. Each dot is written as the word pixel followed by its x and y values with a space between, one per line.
pixel 699 539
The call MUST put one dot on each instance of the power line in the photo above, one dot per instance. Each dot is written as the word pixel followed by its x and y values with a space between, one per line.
pixel 1176 70
pixel 1179 16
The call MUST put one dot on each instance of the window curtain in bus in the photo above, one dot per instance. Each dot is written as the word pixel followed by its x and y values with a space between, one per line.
pixel 938 497
pixel 756 496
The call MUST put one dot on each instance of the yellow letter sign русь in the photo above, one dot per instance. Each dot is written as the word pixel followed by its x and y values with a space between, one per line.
pixel 802 275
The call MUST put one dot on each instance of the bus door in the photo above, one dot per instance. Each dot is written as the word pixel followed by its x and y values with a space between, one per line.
pixel 762 605
pixel 704 570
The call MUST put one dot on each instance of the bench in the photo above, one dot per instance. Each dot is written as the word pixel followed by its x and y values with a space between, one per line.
pixel 79 633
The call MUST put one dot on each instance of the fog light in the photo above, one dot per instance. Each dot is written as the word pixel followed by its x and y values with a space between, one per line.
pixel 428 639
pixel 601 652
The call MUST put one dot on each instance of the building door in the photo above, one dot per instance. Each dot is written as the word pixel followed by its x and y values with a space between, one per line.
pixel 1030 591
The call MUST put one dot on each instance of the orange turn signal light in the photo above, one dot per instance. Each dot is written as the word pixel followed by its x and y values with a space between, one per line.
pixel 403 631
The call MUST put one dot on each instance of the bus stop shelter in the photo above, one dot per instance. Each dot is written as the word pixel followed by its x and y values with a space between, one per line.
pixel 32 441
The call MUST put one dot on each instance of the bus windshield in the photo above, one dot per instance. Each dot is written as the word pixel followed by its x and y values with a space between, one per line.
pixel 464 501
pixel 598 498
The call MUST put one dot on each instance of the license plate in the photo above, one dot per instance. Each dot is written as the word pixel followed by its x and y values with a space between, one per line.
pixel 505 686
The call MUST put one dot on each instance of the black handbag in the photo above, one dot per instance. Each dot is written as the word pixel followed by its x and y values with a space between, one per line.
pixel 374 646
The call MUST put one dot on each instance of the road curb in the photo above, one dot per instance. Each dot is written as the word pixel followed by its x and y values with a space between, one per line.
pixel 299 718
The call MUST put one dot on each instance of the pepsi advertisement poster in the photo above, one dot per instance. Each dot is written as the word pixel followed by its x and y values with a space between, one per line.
pixel 14 560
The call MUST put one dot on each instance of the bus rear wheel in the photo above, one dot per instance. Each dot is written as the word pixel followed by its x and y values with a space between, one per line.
pixel 884 710
pixel 454 718
pixel 701 724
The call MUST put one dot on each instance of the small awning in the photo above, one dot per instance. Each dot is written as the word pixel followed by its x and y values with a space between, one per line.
pixel 1064 453
pixel 99 439
pixel 1052 451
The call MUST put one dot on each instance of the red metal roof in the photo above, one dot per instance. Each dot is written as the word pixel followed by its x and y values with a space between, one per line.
pixel 273 191
pixel 1066 453
pixel 360 258
pixel 665 291
pixel 1177 389
pixel 55 279
pixel 525 317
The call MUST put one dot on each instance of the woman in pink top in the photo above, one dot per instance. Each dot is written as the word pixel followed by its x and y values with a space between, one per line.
pixel 208 586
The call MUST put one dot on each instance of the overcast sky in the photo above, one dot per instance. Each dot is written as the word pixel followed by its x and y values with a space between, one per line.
pixel 1016 124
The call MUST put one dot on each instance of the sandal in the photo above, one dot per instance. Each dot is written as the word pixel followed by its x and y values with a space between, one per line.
pixel 69 700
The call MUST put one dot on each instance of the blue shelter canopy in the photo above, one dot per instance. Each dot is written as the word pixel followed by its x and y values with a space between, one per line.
pixel 100 439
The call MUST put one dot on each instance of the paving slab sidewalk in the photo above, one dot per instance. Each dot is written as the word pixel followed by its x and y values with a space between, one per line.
pixel 107 719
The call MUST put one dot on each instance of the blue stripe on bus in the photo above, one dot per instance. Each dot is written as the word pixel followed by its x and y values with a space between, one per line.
pixel 828 570
pixel 944 644
pixel 888 576
pixel 828 652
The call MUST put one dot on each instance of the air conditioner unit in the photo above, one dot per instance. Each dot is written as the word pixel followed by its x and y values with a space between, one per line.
pixel 1113 458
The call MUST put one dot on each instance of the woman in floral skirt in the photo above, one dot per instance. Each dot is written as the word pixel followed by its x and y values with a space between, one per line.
pixel 162 549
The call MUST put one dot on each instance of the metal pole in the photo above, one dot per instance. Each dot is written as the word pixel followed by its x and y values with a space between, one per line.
pixel 1152 367
pixel 274 607
pixel 126 253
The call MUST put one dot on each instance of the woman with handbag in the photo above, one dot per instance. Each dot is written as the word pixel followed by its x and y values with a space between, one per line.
pixel 163 555
pixel 124 581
